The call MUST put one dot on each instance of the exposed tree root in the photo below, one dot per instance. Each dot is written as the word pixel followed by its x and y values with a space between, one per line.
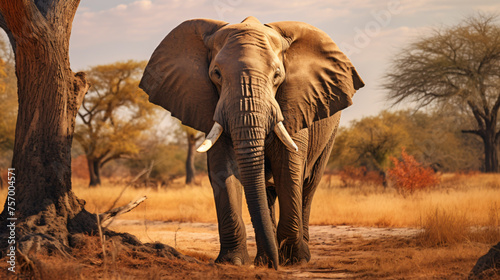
pixel 488 266
pixel 51 234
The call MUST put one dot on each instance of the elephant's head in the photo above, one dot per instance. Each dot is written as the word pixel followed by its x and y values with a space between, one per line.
pixel 247 80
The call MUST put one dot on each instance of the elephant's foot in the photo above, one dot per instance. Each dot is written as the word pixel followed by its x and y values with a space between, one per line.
pixel 291 254
pixel 237 256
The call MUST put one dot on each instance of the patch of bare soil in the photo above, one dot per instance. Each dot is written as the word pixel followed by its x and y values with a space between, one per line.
pixel 338 252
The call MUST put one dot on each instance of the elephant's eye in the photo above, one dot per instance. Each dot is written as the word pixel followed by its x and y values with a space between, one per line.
pixel 277 75
pixel 217 74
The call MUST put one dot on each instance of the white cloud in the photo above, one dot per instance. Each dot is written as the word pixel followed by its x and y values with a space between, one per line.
pixel 121 7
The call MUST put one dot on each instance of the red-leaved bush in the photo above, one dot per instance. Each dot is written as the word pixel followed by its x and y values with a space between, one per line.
pixel 409 175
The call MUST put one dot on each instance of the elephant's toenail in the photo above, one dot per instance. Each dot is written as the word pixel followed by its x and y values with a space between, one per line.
pixel 237 261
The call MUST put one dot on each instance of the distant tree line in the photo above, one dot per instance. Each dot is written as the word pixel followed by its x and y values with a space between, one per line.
pixel 433 138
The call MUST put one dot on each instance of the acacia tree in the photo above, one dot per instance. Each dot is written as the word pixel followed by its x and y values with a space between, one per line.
pixel 49 95
pixel 457 66
pixel 114 115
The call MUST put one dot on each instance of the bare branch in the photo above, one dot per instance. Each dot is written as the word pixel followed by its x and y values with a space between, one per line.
pixel 496 108
pixel 480 117
pixel 113 213
pixel 476 132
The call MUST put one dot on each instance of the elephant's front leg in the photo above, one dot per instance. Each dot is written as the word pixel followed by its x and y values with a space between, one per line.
pixel 288 172
pixel 228 199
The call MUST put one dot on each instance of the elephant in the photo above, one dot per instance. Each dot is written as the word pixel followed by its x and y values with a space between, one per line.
pixel 269 98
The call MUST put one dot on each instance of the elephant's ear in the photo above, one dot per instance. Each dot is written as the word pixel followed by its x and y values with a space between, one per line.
pixel 320 79
pixel 176 76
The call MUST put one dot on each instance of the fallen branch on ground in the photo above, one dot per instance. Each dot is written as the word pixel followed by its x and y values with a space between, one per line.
pixel 103 217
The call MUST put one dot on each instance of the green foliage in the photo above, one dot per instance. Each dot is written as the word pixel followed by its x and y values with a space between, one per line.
pixel 437 141
pixel 166 152
pixel 168 162
pixel 115 113
pixel 370 141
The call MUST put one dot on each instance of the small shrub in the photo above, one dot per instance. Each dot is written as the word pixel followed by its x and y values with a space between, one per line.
pixel 442 227
pixel 408 175
pixel 356 176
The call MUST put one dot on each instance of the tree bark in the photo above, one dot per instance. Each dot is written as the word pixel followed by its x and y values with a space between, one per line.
pixel 489 136
pixel 49 96
pixel 47 216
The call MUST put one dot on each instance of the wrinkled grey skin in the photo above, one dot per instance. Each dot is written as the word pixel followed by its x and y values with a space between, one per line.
pixel 247 77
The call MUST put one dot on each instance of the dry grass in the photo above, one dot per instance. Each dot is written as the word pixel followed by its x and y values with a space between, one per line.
pixel 177 203
pixel 401 259
pixel 88 263
pixel 462 208
pixel 471 200
pixel 475 199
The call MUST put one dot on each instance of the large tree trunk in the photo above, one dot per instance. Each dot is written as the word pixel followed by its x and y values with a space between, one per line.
pixel 49 95
pixel 190 171
pixel 47 215
pixel 94 172
pixel 490 152
pixel 487 130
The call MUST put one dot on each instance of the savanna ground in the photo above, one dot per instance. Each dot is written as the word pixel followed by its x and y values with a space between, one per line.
pixel 359 232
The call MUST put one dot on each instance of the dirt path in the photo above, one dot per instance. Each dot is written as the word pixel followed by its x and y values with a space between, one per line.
pixel 333 248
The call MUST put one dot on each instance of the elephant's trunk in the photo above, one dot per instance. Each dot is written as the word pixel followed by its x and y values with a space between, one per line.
pixel 250 159
pixel 249 117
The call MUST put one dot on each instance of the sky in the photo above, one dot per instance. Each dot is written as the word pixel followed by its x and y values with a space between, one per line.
pixel 370 32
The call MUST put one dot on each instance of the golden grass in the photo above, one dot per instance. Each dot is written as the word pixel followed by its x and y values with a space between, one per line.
pixel 474 199
pixel 461 208
pixel 183 204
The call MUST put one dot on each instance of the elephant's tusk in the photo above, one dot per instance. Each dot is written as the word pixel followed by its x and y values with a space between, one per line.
pixel 283 135
pixel 211 138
